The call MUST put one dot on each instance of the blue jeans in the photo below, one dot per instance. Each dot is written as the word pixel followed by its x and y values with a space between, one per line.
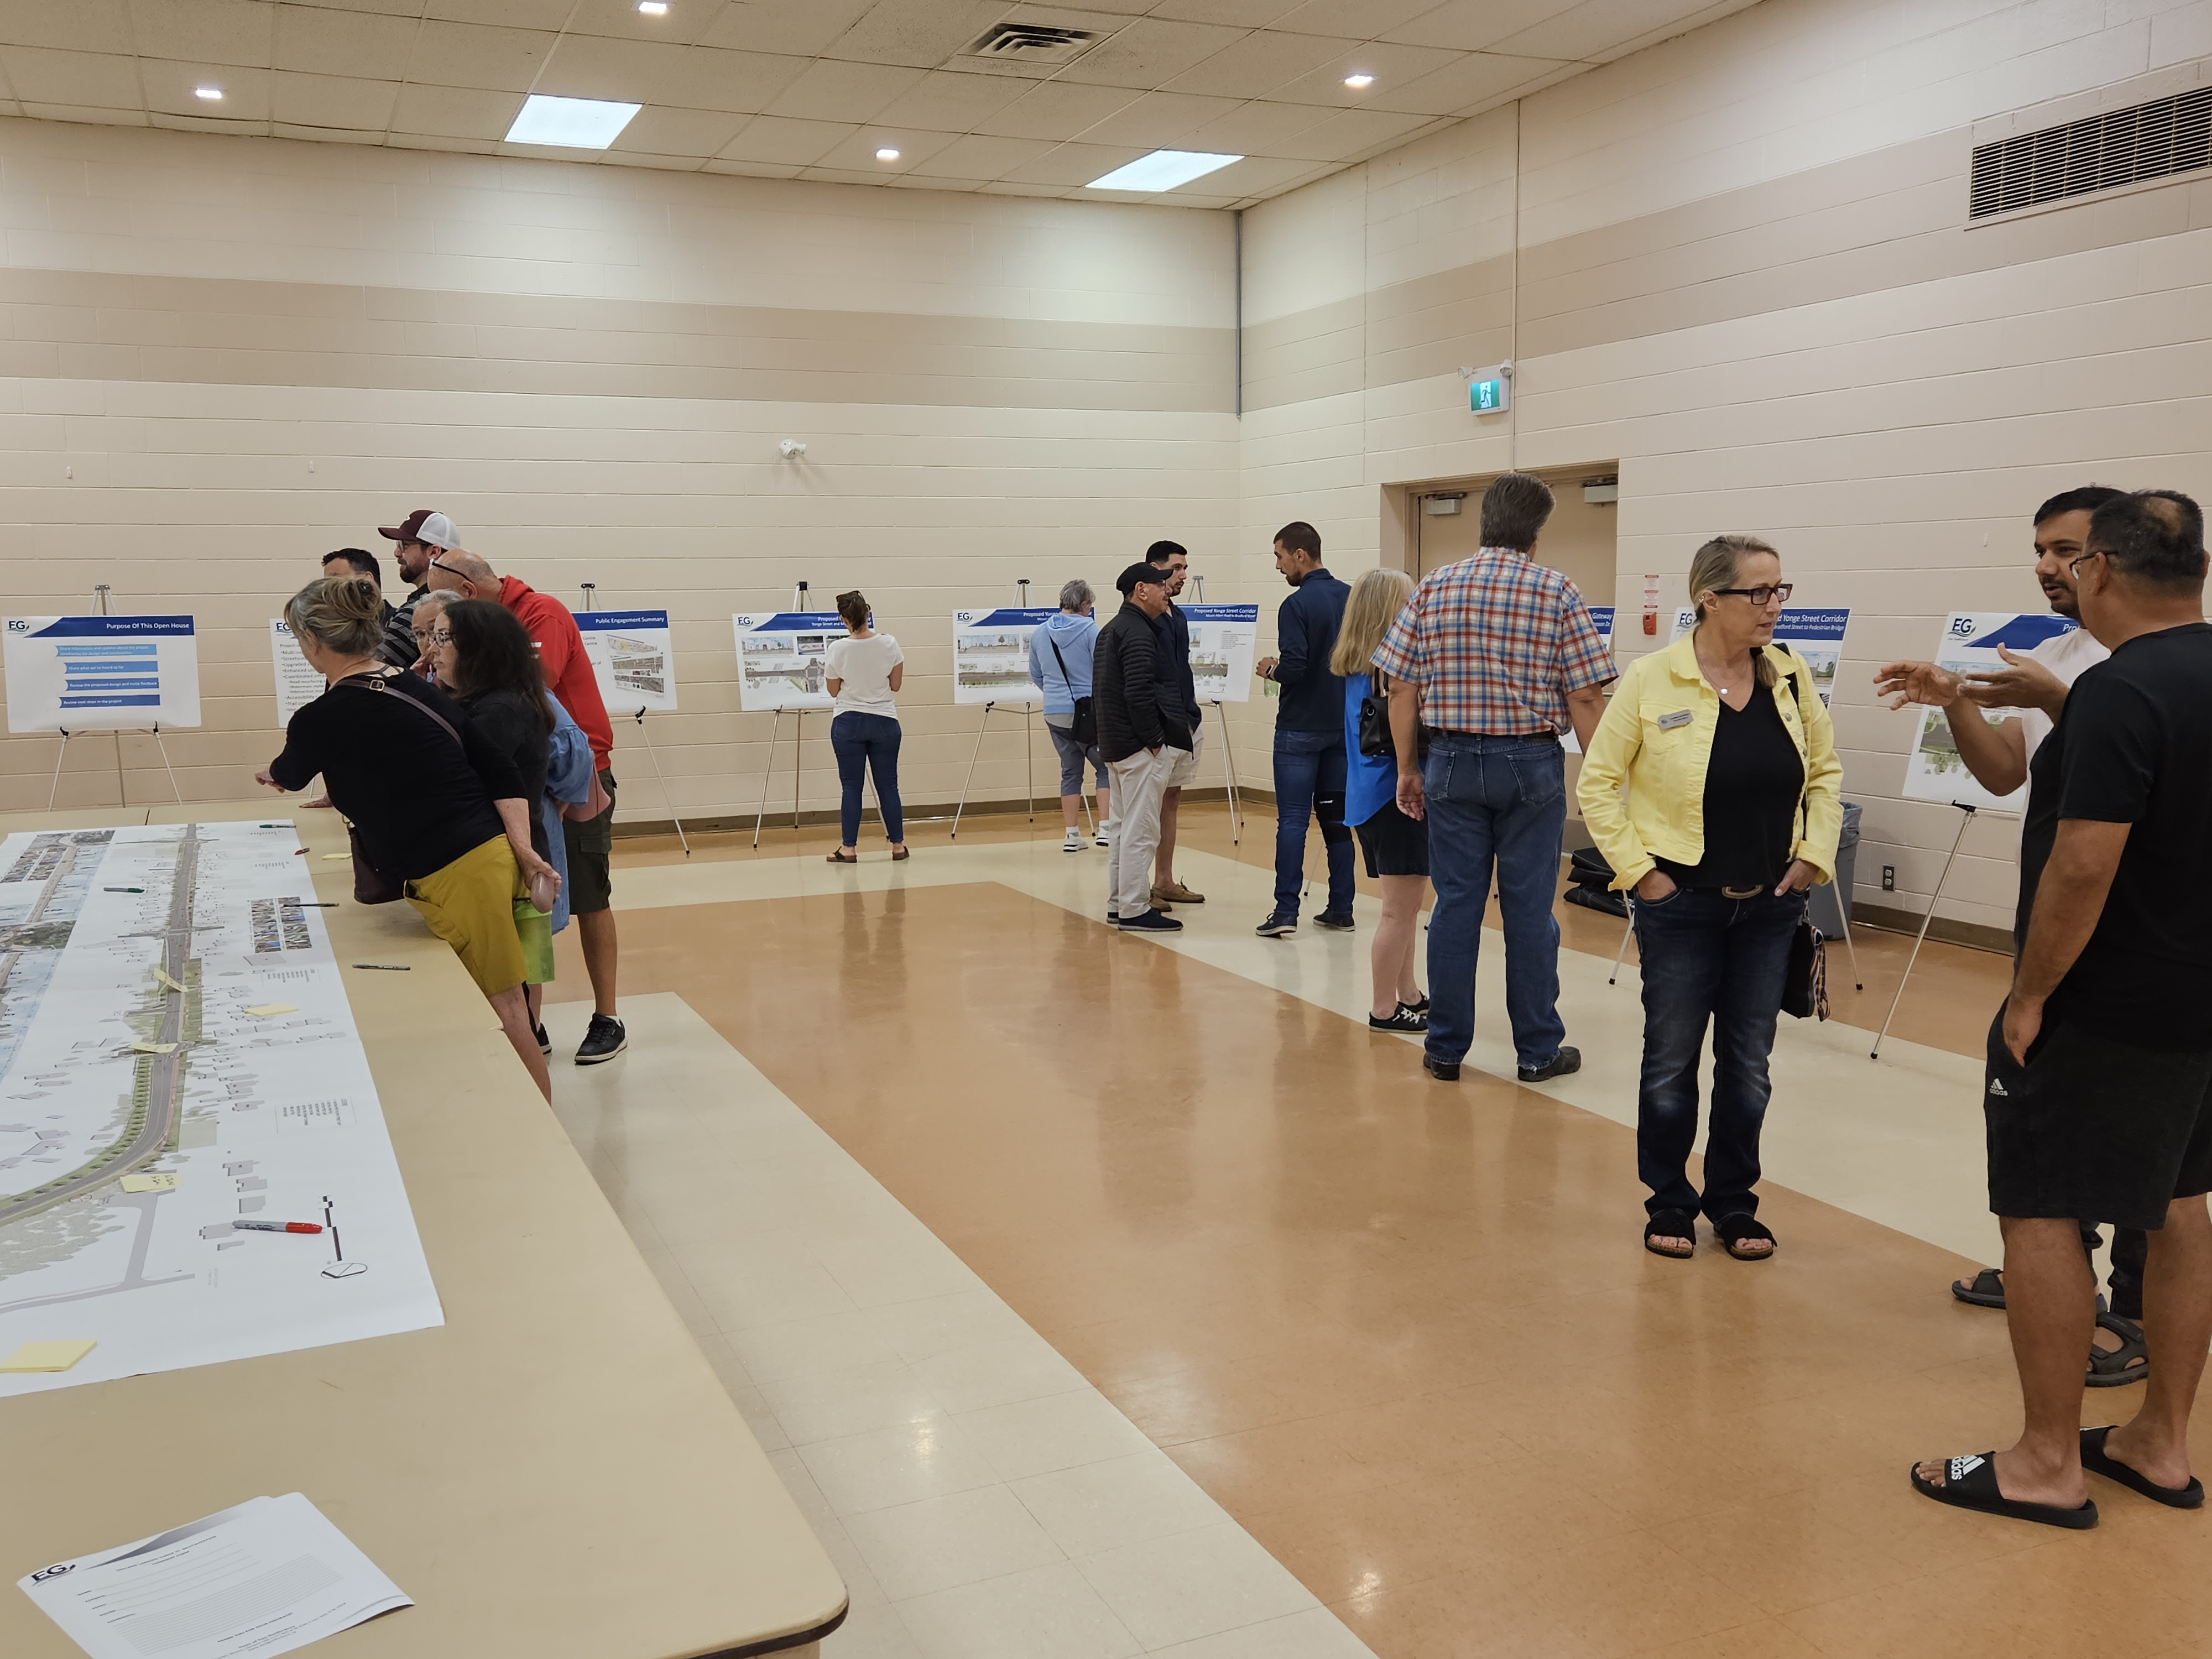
pixel 1495 804
pixel 869 741
pixel 1309 779
pixel 1707 956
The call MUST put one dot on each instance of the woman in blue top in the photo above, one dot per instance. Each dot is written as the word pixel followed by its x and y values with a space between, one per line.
pixel 1397 847
pixel 1059 664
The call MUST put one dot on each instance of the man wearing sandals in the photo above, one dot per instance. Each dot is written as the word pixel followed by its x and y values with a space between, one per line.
pixel 2098 1092
pixel 1998 753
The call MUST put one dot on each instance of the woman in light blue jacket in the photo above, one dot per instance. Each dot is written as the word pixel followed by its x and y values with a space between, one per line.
pixel 1059 664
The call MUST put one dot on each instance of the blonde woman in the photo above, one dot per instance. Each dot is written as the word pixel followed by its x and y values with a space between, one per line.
pixel 1735 804
pixel 1396 847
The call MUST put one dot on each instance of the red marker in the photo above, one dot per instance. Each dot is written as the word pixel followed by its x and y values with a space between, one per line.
pixel 278 1226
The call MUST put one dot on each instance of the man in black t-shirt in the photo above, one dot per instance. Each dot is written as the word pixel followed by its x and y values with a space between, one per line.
pixel 2098 1092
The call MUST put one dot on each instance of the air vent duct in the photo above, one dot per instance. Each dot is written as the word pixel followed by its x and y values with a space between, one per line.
pixel 1031 43
pixel 2129 146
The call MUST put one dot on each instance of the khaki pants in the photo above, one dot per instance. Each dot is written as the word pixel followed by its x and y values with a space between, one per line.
pixel 1139 783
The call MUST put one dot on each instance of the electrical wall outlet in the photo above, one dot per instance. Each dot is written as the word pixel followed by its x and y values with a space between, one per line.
pixel 1889 878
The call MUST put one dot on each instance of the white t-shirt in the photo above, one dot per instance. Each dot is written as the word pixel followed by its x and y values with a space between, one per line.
pixel 863 671
pixel 2068 656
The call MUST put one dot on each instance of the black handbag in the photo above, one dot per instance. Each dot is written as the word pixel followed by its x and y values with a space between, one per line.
pixel 1083 727
pixel 1374 738
pixel 1805 982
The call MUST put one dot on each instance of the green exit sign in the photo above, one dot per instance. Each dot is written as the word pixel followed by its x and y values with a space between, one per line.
pixel 1489 390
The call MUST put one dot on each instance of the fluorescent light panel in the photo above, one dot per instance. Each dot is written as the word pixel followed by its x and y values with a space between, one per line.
pixel 1164 169
pixel 213 95
pixel 571 123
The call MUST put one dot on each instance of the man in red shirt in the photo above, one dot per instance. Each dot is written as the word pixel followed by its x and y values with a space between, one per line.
pixel 590 840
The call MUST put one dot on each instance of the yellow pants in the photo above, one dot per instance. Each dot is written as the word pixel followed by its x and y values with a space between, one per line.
pixel 470 904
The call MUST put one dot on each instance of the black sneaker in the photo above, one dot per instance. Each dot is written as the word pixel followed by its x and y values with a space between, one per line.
pixel 1278 925
pixel 1420 1007
pixel 1151 922
pixel 1444 1071
pixel 1338 921
pixel 1567 1060
pixel 544 1039
pixel 606 1038
pixel 1402 1019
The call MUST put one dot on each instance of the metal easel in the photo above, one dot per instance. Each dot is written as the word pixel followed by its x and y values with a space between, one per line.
pixel 1029 741
pixel 798 743
pixel 1228 752
pixel 590 603
pixel 1967 814
pixel 122 789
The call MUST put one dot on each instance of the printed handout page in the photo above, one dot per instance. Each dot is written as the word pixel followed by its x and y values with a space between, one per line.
pixel 266 1577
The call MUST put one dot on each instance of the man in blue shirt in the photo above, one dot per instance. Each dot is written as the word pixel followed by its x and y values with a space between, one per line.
pixel 1310 757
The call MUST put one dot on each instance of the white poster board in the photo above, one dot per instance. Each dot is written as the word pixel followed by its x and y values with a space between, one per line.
pixel 779 658
pixel 102 673
pixel 1933 771
pixel 1815 635
pixel 991 655
pixel 630 652
pixel 1602 616
pixel 297 683
pixel 1221 650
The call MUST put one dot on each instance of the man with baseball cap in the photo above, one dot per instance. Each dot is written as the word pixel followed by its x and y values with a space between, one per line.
pixel 421 535
pixel 1143 731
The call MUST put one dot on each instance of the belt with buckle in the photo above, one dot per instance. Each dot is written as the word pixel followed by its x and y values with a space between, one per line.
pixel 1751 892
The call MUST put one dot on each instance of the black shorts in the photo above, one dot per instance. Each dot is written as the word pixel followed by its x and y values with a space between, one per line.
pixel 1395 844
pixel 2093 1130
pixel 591 844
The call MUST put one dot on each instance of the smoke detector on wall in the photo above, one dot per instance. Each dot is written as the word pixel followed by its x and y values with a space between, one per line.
pixel 791 449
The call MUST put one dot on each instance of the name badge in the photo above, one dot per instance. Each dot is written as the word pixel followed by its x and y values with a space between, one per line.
pixel 1679 718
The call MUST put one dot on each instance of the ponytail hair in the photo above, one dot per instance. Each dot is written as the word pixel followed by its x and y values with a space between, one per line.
pixel 1713 567
pixel 853 608
pixel 344 613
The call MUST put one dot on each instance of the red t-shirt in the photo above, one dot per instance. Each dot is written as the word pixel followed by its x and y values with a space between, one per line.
pixel 567 671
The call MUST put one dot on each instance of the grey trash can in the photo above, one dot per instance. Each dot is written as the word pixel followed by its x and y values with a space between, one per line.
pixel 1827 914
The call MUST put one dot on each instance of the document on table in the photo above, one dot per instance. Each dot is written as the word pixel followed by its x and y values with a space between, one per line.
pixel 263 1578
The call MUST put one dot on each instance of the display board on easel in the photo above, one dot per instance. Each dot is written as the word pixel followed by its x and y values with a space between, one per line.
pixel 102 673
pixel 1222 641
pixel 1815 635
pixel 991 655
pixel 1933 771
pixel 781 657
pixel 633 658
pixel 1601 615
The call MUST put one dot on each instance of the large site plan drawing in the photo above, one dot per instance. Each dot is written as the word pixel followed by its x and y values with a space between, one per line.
pixel 178 1056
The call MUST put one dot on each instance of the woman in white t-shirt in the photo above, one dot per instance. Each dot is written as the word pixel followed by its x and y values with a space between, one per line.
pixel 864 670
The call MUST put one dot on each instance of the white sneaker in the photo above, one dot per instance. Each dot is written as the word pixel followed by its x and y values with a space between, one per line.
pixel 1073 843
pixel 1105 835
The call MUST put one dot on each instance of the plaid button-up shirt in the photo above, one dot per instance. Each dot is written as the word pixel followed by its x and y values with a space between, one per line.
pixel 1496 642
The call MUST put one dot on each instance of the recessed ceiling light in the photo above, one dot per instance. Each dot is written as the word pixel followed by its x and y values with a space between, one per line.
pixel 571 122
pixel 1164 169
pixel 887 154
pixel 1359 82
pixel 213 95
pixel 654 8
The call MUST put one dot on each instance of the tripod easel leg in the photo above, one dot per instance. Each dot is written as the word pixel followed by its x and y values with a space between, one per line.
pixel 1229 772
pixel 163 750
pixel 767 772
pixel 1858 980
pixel 1029 758
pixel 662 778
pixel 54 790
pixel 1922 937
pixel 981 727
pixel 1622 955
pixel 798 748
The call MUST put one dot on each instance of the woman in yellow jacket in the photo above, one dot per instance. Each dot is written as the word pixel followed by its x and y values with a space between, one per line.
pixel 1733 805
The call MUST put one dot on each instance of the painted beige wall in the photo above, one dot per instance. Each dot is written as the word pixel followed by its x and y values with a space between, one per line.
pixel 1744 271
pixel 223 357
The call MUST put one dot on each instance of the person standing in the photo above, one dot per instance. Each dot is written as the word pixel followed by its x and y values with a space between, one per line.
pixel 1396 847
pixel 1998 753
pixel 398 648
pixel 1309 758
pixel 863 672
pixel 1174 640
pixel 1140 732
pixel 2098 1096
pixel 418 539
pixel 1060 667
pixel 1499 653
pixel 590 838
pixel 1735 805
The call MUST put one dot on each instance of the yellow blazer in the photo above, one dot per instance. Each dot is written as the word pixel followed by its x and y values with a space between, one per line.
pixel 1663 766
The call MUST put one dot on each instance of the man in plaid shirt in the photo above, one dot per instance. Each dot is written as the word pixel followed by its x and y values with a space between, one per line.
pixel 1498 655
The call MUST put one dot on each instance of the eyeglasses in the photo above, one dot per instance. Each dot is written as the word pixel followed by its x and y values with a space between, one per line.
pixel 1764 594
pixel 434 636
pixel 2074 565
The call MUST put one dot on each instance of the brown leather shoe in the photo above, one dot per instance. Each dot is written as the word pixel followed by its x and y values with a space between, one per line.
pixel 1174 892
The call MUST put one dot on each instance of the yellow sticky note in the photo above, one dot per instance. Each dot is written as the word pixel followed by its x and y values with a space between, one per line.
pixel 161 974
pixel 150 1183
pixel 154 1047
pixel 264 1010
pixel 333 857
pixel 46 1356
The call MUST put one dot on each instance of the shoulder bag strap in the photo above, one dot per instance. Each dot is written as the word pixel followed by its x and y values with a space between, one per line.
pixel 381 684
pixel 1062 661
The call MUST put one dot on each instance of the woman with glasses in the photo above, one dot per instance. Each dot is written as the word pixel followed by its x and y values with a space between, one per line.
pixel 1734 807
pixel 428 627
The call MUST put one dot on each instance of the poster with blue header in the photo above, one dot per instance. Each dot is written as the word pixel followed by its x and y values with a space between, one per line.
pixel 1934 770
pixel 100 673
pixel 779 658
pixel 991 655
pixel 632 658
pixel 1815 635
pixel 1222 637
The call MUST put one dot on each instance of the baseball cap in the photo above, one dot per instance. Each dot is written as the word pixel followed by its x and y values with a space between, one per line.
pixel 434 529
pixel 1127 582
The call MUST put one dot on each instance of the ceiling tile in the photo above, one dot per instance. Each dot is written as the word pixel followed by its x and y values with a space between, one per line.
pixel 805 29
pixel 1072 164
pixel 1253 175
pixel 1255 65
pixel 705 77
pixel 334 100
pixel 1149 53
pixel 1363 19
pixel 594 66
pixel 1473 25
pixel 785 141
pixel 1258 127
pixel 978 157
pixel 474 55
pixel 1463 86
pixel 951 101
pixel 1237 14
pixel 1588 30
pixel 751 169
pixel 82 113
pixel 698 132
pixel 1390 65
pixel 78 26
pixel 72 77
pixel 386 7
pixel 918 33
pixel 1352 133
pixel 1158 120
pixel 830 91
pixel 681 24
pixel 1056 110
pixel 454 112
pixel 169 90
pixel 508 14
pixel 210 31
pixel 858 153
pixel 321 41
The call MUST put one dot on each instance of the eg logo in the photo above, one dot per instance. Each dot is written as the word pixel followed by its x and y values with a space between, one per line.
pixel 40 1576
pixel 18 625
pixel 1962 627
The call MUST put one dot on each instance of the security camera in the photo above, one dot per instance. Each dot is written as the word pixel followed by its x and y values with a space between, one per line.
pixel 792 448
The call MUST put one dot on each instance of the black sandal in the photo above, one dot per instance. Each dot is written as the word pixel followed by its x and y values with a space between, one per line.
pixel 1671 1224
pixel 1734 1231
pixel 839 858
pixel 1986 1289
pixel 2098 1461
pixel 2128 1363
pixel 1971 1483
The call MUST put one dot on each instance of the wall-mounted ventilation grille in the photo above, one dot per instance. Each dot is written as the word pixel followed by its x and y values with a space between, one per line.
pixel 2100 152
pixel 1031 43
